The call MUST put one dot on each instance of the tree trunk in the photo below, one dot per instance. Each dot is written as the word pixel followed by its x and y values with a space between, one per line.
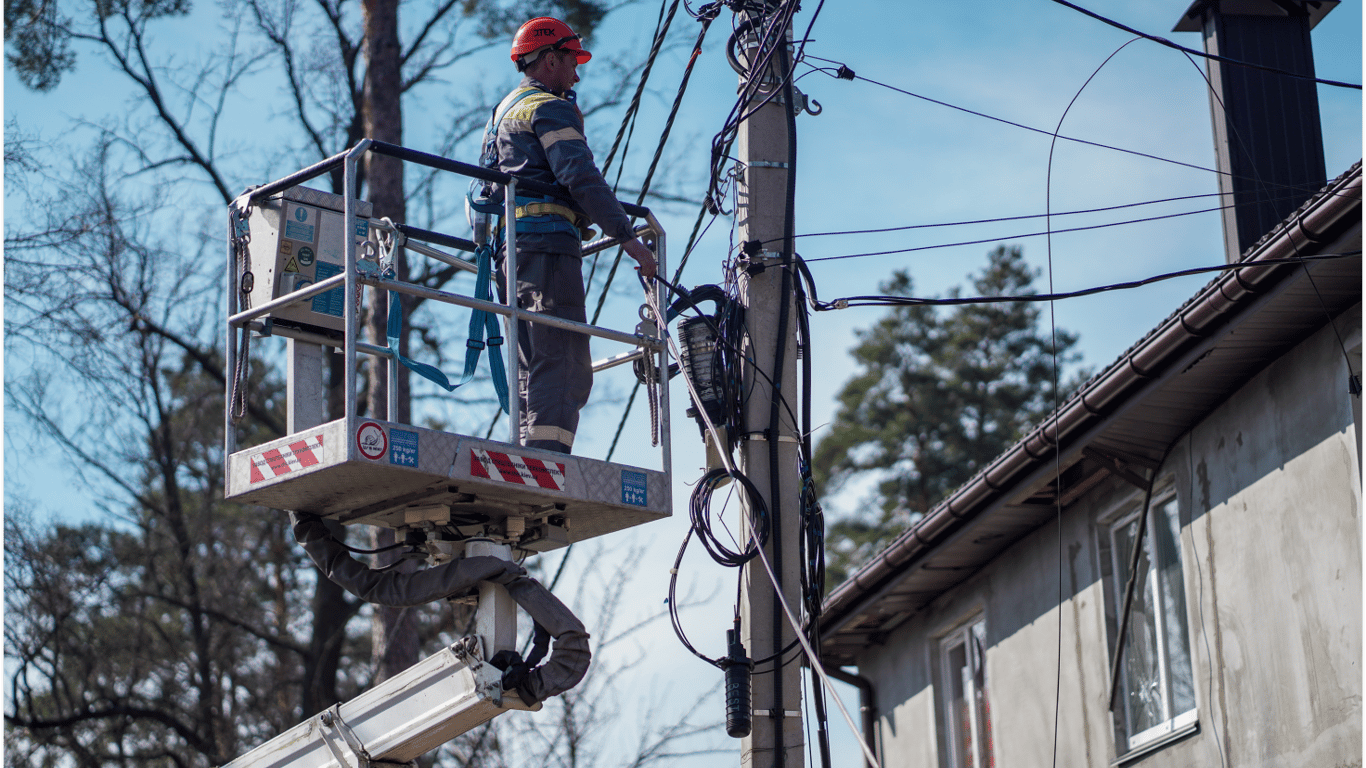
pixel 395 629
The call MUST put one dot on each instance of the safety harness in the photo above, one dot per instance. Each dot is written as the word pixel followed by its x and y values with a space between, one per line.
pixel 481 322
pixel 536 214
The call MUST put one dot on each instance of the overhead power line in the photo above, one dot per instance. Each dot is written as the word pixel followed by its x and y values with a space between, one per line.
pixel 1020 236
pixel 844 73
pixel 1194 52
pixel 1030 216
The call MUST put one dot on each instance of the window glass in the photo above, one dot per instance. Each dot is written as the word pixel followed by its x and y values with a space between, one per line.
pixel 967 713
pixel 1155 669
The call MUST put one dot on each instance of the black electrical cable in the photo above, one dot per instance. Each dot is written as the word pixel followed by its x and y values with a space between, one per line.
pixel 1053 329
pixel 1194 52
pixel 906 301
pixel 1019 236
pixel 699 511
pixel 775 413
pixel 1031 216
pixel 1043 131
pixel 633 109
pixel 1023 235
pixel 771 36
pixel 659 152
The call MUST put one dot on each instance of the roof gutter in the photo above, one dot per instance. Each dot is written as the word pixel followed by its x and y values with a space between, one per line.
pixel 1309 229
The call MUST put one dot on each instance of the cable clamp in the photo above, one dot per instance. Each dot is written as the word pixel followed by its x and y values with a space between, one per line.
pixel 763 436
pixel 766 164
pixel 776 713
pixel 762 260
pixel 331 720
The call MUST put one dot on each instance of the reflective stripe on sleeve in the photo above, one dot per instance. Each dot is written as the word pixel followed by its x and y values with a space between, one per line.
pixel 551 138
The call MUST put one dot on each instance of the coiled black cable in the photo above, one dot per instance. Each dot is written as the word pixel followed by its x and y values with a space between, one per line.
pixel 699 510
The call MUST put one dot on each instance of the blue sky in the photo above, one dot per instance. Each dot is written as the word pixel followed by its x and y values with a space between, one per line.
pixel 875 158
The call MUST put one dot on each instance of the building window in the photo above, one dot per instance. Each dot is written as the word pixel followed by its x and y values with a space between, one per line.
pixel 967 715
pixel 1156 694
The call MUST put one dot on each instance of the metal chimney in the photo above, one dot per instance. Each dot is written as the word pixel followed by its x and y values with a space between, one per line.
pixel 1267 135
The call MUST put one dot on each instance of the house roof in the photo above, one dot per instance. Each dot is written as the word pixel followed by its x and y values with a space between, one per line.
pixel 1121 421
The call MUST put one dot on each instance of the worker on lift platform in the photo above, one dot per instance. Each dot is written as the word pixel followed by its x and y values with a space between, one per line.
pixel 537 133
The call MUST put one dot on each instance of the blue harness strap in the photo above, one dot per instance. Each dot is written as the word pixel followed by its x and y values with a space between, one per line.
pixel 481 322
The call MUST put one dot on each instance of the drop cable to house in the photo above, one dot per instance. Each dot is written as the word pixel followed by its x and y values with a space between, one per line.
pixel 1057 438
pixel 1200 595
pixel 907 301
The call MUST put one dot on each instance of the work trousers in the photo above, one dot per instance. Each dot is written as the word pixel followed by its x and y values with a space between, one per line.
pixel 556 367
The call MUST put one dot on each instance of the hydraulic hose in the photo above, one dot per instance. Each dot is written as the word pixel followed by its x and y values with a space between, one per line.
pixel 393 587
pixel 569 655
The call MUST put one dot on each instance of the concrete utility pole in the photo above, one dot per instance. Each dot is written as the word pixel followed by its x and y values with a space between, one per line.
pixel 776 737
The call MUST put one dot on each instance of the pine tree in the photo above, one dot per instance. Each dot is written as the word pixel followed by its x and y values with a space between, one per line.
pixel 939 394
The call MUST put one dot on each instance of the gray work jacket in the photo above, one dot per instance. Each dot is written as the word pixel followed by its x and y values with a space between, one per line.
pixel 541 137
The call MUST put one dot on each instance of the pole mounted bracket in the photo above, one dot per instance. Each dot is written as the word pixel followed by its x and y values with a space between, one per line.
pixel 804 103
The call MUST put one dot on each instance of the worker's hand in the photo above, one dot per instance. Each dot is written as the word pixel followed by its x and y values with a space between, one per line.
pixel 643 256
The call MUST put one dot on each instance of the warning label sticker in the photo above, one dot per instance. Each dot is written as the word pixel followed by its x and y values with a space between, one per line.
pixel 522 470
pixel 330 303
pixel 268 465
pixel 403 448
pixel 291 265
pixel 633 488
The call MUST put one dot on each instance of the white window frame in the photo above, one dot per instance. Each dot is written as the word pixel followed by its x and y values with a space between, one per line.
pixel 971 636
pixel 1171 722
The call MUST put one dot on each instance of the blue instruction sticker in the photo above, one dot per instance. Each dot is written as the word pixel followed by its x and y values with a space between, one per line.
pixel 633 488
pixel 402 447
pixel 296 231
pixel 331 302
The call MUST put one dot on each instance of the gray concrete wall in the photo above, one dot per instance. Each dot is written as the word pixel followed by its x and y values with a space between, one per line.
pixel 1269 491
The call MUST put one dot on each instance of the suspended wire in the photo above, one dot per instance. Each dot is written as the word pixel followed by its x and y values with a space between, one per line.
pixel 628 121
pixel 1211 56
pixel 1053 330
pixel 1019 236
pixel 907 301
pixel 659 151
pixel 1041 131
pixel 628 130
pixel 1031 216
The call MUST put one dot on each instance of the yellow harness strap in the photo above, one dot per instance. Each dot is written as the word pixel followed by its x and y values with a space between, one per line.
pixel 547 209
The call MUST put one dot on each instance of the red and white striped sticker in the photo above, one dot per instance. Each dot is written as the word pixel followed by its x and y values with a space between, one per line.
pixel 275 462
pixel 522 470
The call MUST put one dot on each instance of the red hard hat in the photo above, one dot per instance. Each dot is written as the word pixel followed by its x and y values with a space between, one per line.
pixel 543 31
